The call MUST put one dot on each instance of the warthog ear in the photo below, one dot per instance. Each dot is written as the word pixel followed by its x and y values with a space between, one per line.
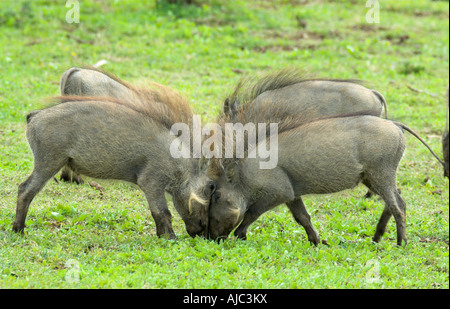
pixel 230 107
pixel 203 163
pixel 226 106
pixel 231 170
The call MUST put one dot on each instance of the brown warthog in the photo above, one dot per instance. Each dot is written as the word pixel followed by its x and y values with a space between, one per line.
pixel 116 139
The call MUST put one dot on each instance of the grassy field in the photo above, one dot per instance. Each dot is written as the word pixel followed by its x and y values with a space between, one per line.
pixel 80 237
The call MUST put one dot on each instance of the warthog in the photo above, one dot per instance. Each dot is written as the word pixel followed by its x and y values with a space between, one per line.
pixel 445 144
pixel 116 139
pixel 318 157
pixel 289 92
pixel 315 156
pixel 91 81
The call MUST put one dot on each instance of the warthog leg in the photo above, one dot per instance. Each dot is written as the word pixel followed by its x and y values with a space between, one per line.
pixel 29 188
pixel 251 215
pixel 395 206
pixel 298 210
pixel 160 212
pixel 382 223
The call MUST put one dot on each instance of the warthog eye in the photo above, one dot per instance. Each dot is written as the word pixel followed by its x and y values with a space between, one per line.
pixel 210 188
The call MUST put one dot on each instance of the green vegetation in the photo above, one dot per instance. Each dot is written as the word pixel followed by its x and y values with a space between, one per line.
pixel 202 50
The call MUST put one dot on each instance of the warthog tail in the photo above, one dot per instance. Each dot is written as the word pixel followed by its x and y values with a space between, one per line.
pixel 405 127
pixel 383 101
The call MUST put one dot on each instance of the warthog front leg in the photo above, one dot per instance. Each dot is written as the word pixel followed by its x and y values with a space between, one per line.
pixel 160 212
pixel 298 210
pixel 251 215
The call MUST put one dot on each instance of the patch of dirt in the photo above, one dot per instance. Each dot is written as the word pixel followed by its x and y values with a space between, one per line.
pixel 433 240
pixel 397 39
pixel 300 35
pixel 276 47
pixel 300 40
pixel 366 27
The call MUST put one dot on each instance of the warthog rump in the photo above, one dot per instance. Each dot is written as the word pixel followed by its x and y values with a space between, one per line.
pixel 290 92
pixel 93 82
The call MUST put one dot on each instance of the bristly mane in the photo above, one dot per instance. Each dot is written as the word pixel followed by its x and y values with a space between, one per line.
pixel 217 166
pixel 159 102
pixel 250 87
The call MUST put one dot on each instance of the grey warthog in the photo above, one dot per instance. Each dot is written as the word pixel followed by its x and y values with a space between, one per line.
pixel 120 139
pixel 315 155
pixel 320 156
pixel 90 81
pixel 290 93
pixel 445 143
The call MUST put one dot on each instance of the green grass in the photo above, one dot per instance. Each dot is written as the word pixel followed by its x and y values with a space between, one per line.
pixel 202 51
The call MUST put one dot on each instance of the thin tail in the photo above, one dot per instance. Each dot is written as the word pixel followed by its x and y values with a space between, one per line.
pixel 405 127
pixel 383 100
